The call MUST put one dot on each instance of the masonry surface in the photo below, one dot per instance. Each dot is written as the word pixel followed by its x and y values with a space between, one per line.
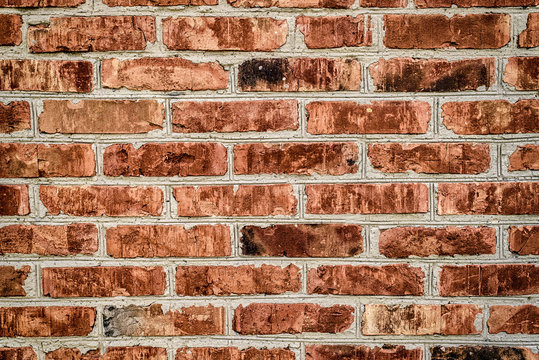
pixel 269 179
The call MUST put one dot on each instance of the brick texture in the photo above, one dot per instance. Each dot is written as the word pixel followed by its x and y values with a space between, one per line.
pixel 14 116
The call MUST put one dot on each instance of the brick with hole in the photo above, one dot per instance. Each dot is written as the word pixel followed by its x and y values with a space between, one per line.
pixel 14 116
pixel 12 280
pixel 18 353
pixel 329 158
pixel 333 4
pixel 241 280
pixel 325 32
pixel 376 117
pixel 310 240
pixel 266 319
pixel 482 352
pixel 525 157
pixel 523 319
pixel 10 30
pixel 233 353
pixel 14 200
pixel 336 352
pixel 224 33
pixel 522 73
pixel 524 240
pixel 165 159
pixel 235 116
pixel 112 353
pixel 529 38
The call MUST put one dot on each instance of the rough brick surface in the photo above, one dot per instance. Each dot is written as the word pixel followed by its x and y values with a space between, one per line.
pixel 14 200
pixel 336 4
pixel 12 280
pixel 112 353
pixel 475 3
pixel 10 30
pixel 525 157
pixel 14 116
pixel 524 240
pixel 20 353
pixel 40 3
pixel 159 2
pixel 482 352
pixel 522 73
pixel 522 319
pixel 335 32
pixel 233 353
pixel 335 352
pixel 529 38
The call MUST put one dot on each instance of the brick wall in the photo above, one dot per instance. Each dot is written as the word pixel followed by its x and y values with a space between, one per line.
pixel 269 179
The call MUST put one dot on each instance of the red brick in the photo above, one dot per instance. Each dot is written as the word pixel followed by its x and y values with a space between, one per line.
pixel 524 240
pixel 401 242
pixel 489 280
pixel 330 158
pixel 247 200
pixel 46 75
pixel 530 36
pixel 63 240
pixel 130 241
pixel 40 3
pixel 525 157
pixel 12 280
pixel 339 352
pixel 265 319
pixel 383 3
pixel 367 198
pixel 134 320
pixel 299 74
pixel 45 321
pixel 513 198
pixel 171 159
pixel 101 281
pixel 377 117
pixel 450 319
pixel 99 33
pixel 14 116
pixel 432 158
pixel 163 74
pixel 491 117
pixel 523 319
pixel 102 200
pixel 10 29
pixel 233 353
pixel 400 279
pixel 423 75
pixel 243 280
pixel 112 353
pixel 325 32
pixel 482 352
pixel 310 240
pixel 224 33
pixel 473 31
pixel 159 2
pixel 522 73
pixel 101 116
pixel 14 200
pixel 18 160
pixel 335 4
pixel 474 3
pixel 21 353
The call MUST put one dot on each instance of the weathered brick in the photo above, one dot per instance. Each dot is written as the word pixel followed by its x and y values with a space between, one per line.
pixel 424 75
pixel 323 32
pixel 523 319
pixel 473 31
pixel 530 36
pixel 522 73
pixel 46 75
pixel 400 242
pixel 432 158
pixel 224 33
pixel 163 74
pixel 101 281
pixel 330 158
pixel 450 319
pixel 377 117
pixel 491 117
pixel 235 116
pixel 524 240
pixel 171 159
pixel 400 279
pixel 525 157
pixel 98 33
pixel 159 2
pixel 383 3
pixel 130 241
pixel 134 320
pixel 10 29
pixel 247 200
pixel 102 200
pixel 367 198
pixel 512 198
pixel 14 200
pixel 244 280
pixel 18 160
pixel 62 240
pixel 310 240
pixel 335 4
pixel 357 352
pixel 45 321
pixel 264 319
pixel 481 352
pixel 101 116
pixel 233 353
pixel 489 280
pixel 20 353
pixel 40 3
pixel 112 353
pixel 300 74
pixel 14 116
pixel 12 280
pixel 474 3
